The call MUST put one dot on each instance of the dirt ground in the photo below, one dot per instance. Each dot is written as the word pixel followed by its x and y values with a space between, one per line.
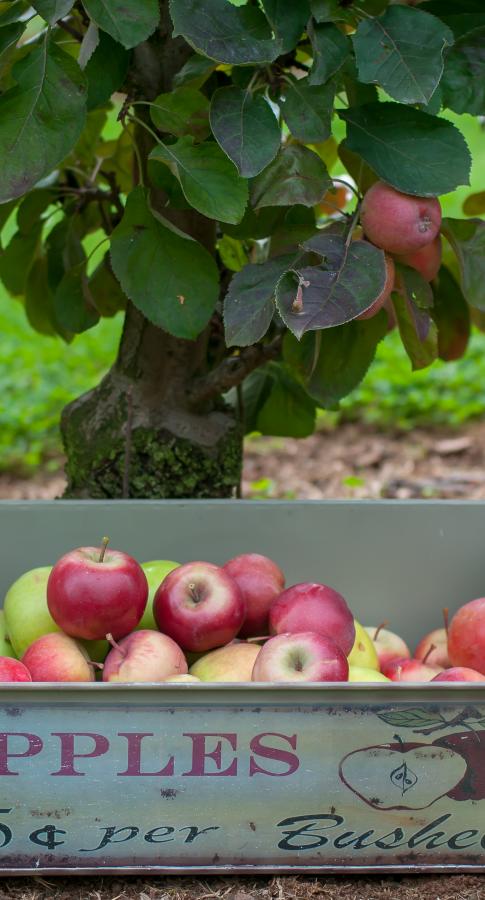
pixel 354 462
pixel 351 461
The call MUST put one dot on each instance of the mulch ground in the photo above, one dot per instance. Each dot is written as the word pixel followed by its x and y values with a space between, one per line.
pixel 353 462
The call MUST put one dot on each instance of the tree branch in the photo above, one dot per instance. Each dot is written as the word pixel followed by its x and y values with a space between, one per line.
pixel 233 370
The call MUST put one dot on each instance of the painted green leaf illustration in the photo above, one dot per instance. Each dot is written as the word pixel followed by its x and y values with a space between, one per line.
pixel 411 718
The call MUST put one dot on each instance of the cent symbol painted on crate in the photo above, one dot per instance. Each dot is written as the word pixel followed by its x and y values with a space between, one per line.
pixel 414 774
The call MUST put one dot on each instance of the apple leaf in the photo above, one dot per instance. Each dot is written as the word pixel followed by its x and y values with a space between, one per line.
pixel 408 148
pixel 128 23
pixel 229 34
pixel 41 117
pixel 467 238
pixel 330 50
pixel 246 128
pixel 105 70
pixel 17 259
pixel 195 72
pixel 412 305
pixel 307 109
pixel 474 205
pixel 297 175
pixel 411 718
pixel 172 279
pixel 288 411
pixel 362 174
pixel 345 285
pixel 38 299
pixel 463 82
pixel 182 111
pixel 403 52
pixel 332 363
pixel 249 304
pixel 52 10
pixel 209 180
pixel 73 304
pixel 13 11
pixel 9 36
pixel 451 314
pixel 288 20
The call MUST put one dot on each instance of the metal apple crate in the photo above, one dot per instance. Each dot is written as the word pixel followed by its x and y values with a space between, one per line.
pixel 249 778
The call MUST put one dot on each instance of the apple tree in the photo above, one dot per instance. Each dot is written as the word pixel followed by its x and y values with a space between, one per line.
pixel 173 159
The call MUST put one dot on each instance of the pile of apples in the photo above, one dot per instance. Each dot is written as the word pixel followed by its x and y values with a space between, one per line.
pixel 98 613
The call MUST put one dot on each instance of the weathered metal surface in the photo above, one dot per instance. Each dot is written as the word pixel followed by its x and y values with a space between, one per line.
pixel 201 779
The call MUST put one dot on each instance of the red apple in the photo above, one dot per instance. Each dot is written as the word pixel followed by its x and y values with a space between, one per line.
pixel 385 294
pixel 459 673
pixel 433 648
pixel 388 645
pixel 92 592
pixel 426 261
pixel 200 606
pixel 145 656
pixel 410 670
pixel 57 657
pixel 260 581
pixel 399 223
pixel 13 670
pixel 466 636
pixel 305 656
pixel 313 607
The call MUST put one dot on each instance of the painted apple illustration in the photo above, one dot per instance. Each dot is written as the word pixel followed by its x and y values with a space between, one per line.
pixel 403 775
pixel 471 747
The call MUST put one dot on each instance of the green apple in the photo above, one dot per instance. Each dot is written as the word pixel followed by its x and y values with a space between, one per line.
pixel 234 662
pixel 6 648
pixel 363 652
pixel 27 615
pixel 155 571
pixel 360 673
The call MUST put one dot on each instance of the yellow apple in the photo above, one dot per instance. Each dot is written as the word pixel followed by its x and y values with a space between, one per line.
pixel 363 652
pixel 360 673
pixel 234 662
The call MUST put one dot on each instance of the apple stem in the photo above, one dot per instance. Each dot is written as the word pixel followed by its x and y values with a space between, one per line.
pixel 96 665
pixel 255 640
pixel 104 544
pixel 399 739
pixel 428 653
pixel 379 629
pixel 111 640
pixel 446 619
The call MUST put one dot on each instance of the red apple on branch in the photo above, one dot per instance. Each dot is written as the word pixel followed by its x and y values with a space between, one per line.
pixel 315 607
pixel 200 606
pixel 397 222
pixel 93 591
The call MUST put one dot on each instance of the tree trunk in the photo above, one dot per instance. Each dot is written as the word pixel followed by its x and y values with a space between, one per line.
pixel 140 433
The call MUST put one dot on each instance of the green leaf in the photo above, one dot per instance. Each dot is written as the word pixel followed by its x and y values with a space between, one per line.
pixel 334 293
pixel 297 175
pixel 41 117
pixel 256 225
pixel 467 238
pixel 288 410
pixel 209 180
pixel 88 45
pixel 38 298
pixel 412 305
pixel 5 210
pixel 17 259
pixel 336 11
pixel 249 304
pixel 13 11
pixel 256 389
pixel 9 36
pixel 105 70
pixel 73 304
pixel 195 72
pixel 411 718
pixel 288 20
pixel 172 279
pixel 416 153
pixel 462 16
pixel 128 23
pixel 362 174
pixel 161 177
pixel 451 314
pixel 332 363
pixel 182 111
pixel 463 82
pixel 330 51
pixel 307 109
pixel 31 209
pixel 105 290
pixel 232 253
pixel 474 205
pixel 52 10
pixel 229 34
pixel 246 128
pixel 403 52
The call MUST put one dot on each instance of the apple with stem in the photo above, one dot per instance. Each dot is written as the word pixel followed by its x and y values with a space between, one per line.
pixel 388 645
pixel 300 657
pixel 58 657
pixel 311 606
pixel 92 592
pixel 414 670
pixel 438 639
pixel 260 581
pixel 143 656
pixel 200 606
pixel 399 223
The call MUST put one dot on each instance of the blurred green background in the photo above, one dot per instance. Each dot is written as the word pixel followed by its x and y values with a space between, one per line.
pixel 39 375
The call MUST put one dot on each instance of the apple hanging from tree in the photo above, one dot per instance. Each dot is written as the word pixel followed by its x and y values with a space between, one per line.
pixel 397 222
